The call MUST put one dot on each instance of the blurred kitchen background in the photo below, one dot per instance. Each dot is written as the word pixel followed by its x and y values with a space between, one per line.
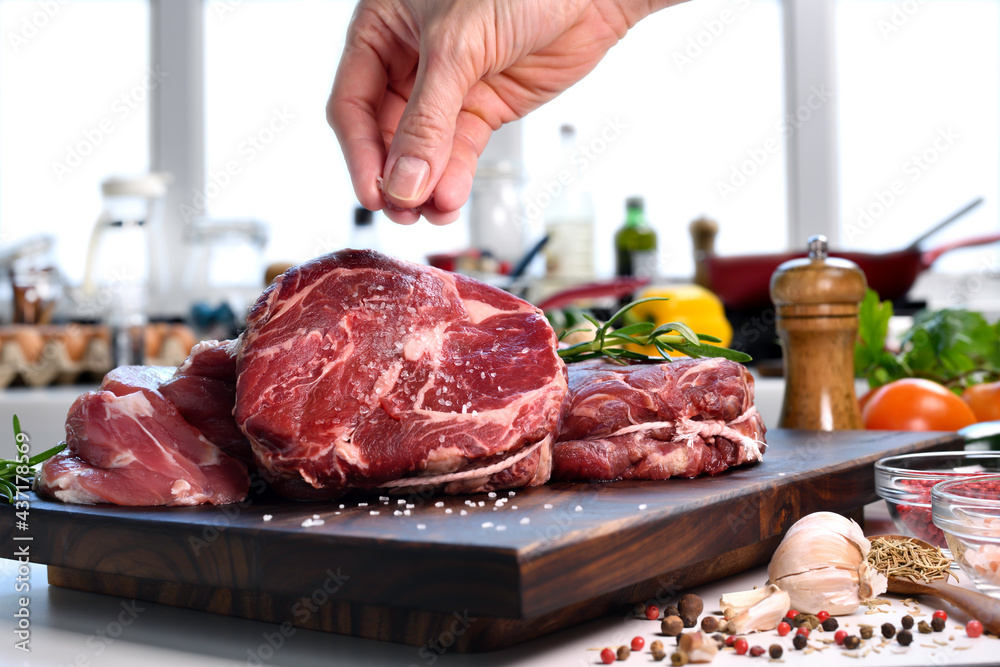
pixel 157 156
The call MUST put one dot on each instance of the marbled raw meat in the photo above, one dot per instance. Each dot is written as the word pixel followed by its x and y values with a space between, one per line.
pixel 360 370
pixel 684 418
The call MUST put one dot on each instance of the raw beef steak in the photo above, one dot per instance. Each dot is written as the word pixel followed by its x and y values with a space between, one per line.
pixel 357 369
pixel 653 421
pixel 128 445
pixel 203 390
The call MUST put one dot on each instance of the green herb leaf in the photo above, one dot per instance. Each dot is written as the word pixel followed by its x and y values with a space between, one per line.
pixel 8 468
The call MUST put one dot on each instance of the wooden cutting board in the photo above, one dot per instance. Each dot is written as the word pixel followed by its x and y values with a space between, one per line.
pixel 491 572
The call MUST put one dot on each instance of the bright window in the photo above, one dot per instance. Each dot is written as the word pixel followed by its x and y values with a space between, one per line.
pixel 919 105
pixel 75 80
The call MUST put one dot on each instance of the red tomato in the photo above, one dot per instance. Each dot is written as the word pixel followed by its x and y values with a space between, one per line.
pixel 914 404
pixel 984 399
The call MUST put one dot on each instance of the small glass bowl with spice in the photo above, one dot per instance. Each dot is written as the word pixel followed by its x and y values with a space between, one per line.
pixel 967 511
pixel 905 483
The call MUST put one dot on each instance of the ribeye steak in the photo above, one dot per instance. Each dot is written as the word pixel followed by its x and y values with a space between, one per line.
pixel 357 369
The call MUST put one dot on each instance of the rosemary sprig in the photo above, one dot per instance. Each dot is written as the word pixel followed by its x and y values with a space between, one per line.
pixel 609 343
pixel 11 470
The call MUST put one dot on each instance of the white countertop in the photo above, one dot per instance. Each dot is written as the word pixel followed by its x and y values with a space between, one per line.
pixel 75 628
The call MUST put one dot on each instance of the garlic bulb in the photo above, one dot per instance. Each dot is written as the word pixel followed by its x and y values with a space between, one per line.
pixel 755 610
pixel 823 565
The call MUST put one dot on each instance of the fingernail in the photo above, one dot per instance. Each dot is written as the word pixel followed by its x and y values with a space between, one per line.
pixel 408 178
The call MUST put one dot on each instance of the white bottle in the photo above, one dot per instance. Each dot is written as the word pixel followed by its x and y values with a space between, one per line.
pixel 569 220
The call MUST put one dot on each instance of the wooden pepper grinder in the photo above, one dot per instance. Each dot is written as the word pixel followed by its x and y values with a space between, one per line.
pixel 816 299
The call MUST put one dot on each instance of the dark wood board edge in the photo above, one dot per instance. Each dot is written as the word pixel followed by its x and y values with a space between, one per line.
pixel 754 515
pixel 459 630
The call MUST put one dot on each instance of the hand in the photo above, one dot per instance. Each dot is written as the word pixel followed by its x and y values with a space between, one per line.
pixel 423 83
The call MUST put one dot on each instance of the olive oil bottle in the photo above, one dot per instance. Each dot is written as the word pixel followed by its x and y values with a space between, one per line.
pixel 635 243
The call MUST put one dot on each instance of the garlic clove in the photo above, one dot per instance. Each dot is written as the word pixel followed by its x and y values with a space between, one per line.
pixel 698 646
pixel 871 582
pixel 831 589
pixel 756 610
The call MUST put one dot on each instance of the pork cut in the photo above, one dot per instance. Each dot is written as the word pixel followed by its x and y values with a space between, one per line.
pixel 684 418
pixel 360 370
pixel 128 445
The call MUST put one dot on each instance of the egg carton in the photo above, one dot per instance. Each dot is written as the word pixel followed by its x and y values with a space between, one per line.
pixel 62 354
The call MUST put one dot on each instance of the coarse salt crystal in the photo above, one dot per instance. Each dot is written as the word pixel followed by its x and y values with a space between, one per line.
pixel 439 504
pixel 481 503
pixel 308 523
pixel 643 506
pixel 488 524
pixel 362 504
pixel 578 508
pixel 400 502
pixel 268 517
pixel 406 512
pixel 501 527
pixel 462 513
pixel 315 516
pixel 547 506
pixel 383 498
pixel 513 507
pixel 499 503
pixel 491 494
pixel 525 521
pixel 448 511
pixel 374 512
pixel 421 526
pixel 397 513
pixel 512 493
pixel 410 506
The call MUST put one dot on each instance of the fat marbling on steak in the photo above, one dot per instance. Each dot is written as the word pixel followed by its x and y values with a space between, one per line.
pixel 360 370
pixel 684 418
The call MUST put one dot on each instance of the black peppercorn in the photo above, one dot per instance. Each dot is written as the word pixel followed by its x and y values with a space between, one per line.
pixel 789 620
pixel 937 624
pixel 799 642
pixel 904 637
pixel 888 630
pixel 851 642
pixel 671 610
pixel 907 622
pixel 775 651
pixel 830 624
pixel 710 624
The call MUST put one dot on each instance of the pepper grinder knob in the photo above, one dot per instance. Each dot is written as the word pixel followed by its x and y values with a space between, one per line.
pixel 816 300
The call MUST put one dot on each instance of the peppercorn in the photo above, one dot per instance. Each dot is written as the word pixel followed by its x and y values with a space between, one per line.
pixel 851 642
pixel 672 626
pixel 652 612
pixel 904 637
pixel 937 624
pixel 720 640
pixel 624 652
pixel 689 620
pixel 799 642
pixel 888 630
pixel 924 628
pixel 691 605
pixel 810 621
pixel 756 651
pixel 639 609
pixel 710 624
pixel 659 655
pixel 830 624
pixel 906 622
pixel 775 651
pixel 671 610
pixel 789 620
pixel 867 631
pixel 678 657
pixel 607 656
pixel 656 646
pixel 638 643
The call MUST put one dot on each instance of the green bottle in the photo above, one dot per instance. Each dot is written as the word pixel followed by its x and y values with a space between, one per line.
pixel 635 243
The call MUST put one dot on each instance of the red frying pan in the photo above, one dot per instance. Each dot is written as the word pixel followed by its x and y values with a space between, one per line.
pixel 742 281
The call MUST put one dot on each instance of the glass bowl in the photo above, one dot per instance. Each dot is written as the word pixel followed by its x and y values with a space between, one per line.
pixel 968 512
pixel 905 483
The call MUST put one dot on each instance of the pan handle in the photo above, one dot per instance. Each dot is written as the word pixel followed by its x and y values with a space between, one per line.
pixel 915 244
pixel 930 256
